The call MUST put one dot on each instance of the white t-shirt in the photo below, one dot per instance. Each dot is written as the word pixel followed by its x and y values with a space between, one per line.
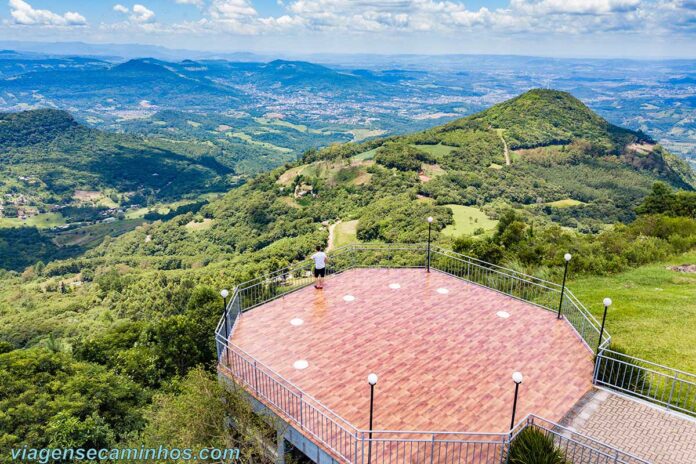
pixel 319 260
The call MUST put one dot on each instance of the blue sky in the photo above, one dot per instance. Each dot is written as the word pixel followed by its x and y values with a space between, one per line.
pixel 600 28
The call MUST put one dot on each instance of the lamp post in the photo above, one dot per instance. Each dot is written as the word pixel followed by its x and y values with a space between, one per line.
pixel 517 378
pixel 567 258
pixel 430 223
pixel 607 303
pixel 224 293
pixel 372 380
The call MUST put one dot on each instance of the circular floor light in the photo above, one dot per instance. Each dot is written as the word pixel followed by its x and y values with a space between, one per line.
pixel 394 286
pixel 442 291
pixel 503 314
pixel 297 322
pixel 349 298
pixel 300 364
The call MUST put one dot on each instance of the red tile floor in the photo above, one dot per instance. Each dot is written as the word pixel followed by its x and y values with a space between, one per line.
pixel 443 356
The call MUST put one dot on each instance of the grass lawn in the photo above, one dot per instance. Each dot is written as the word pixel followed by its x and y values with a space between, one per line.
pixel 345 233
pixel 362 134
pixel 366 155
pixel 437 151
pixel 40 221
pixel 203 225
pixel 249 139
pixel 565 203
pixel 653 315
pixel 467 219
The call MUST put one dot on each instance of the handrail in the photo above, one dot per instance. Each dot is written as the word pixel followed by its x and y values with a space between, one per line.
pixel 671 388
pixel 494 266
pixel 352 440
pixel 660 366
pixel 581 439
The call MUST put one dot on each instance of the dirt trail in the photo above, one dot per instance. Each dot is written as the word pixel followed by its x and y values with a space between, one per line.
pixel 330 242
pixel 506 152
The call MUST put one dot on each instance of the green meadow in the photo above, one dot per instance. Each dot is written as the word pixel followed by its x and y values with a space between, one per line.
pixel 653 315
pixel 467 219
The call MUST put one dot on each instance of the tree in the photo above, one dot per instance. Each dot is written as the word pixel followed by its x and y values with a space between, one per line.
pixel 660 201
pixel 197 413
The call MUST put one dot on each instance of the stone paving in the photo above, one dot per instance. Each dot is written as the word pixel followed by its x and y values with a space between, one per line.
pixel 643 430
pixel 444 350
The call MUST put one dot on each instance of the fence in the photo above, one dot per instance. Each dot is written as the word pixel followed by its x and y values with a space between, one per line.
pixel 668 387
pixel 518 285
pixel 354 446
pixel 524 287
pixel 577 448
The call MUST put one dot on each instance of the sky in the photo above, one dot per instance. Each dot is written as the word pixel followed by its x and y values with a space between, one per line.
pixel 562 28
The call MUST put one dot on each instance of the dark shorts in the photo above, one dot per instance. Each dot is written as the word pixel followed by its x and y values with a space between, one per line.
pixel 320 272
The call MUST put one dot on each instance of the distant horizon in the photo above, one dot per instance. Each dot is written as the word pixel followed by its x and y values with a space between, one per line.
pixel 583 29
pixel 38 47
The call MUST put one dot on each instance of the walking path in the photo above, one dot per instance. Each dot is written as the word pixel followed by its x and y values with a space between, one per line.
pixel 332 234
pixel 505 146
pixel 635 427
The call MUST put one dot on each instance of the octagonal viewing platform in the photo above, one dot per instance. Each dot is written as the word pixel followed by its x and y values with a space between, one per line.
pixel 443 332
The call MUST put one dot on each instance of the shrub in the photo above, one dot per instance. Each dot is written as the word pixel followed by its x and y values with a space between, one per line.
pixel 532 446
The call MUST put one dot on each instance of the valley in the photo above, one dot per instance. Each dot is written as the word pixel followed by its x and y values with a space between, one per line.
pixel 120 271
pixel 283 107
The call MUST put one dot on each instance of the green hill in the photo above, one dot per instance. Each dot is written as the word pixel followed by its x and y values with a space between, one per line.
pixel 33 127
pixel 122 313
pixel 63 156
pixel 543 117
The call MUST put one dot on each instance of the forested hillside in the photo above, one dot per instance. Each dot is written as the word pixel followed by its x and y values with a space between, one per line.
pixel 64 156
pixel 134 315
pixel 59 180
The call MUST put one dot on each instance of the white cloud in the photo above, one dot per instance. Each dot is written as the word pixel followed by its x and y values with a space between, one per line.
pixel 198 3
pixel 23 13
pixel 142 14
pixel 441 18
pixel 121 9
pixel 575 7
pixel 232 9
pixel 238 17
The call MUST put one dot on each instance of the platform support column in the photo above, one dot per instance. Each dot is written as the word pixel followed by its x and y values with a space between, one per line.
pixel 280 447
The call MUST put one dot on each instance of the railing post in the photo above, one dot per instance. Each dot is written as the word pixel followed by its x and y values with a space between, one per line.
pixel 671 392
pixel 301 411
pixel 432 450
pixel 256 378
pixel 598 360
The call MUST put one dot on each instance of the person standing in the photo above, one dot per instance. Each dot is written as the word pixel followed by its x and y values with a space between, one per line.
pixel 320 259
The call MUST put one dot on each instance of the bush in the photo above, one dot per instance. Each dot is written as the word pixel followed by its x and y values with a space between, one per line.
pixel 532 446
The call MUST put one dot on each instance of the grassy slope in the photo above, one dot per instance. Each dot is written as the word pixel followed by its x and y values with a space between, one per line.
pixel 41 221
pixel 345 233
pixel 467 219
pixel 654 311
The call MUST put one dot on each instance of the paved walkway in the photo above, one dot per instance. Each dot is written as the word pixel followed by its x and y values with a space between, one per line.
pixel 444 351
pixel 634 427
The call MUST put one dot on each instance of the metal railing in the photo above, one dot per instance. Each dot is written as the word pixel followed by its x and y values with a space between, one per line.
pixel 353 446
pixel 577 448
pixel 671 388
pixel 518 285
pixel 524 287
